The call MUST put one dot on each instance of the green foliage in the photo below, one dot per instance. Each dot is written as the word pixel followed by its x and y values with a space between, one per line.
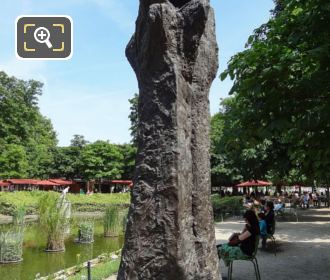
pixel 278 115
pixel 13 161
pixel 68 160
pixel 28 142
pixel 86 231
pixel 129 153
pixel 26 137
pixel 11 246
pixel 225 168
pixel 11 201
pixel 53 219
pixel 228 204
pixel 78 141
pixel 124 215
pixel 112 221
pixel 11 240
pixel 19 216
pixel 102 160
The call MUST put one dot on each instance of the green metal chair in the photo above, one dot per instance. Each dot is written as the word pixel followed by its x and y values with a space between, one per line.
pixel 271 236
pixel 252 259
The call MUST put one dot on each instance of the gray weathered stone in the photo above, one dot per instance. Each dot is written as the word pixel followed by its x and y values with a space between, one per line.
pixel 170 233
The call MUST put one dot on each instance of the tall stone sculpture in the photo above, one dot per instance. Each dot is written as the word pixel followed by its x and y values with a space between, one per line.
pixel 170 233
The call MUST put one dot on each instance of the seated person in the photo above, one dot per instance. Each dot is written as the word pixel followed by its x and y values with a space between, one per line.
pixel 305 201
pixel 269 215
pixel 247 202
pixel 279 207
pixel 262 225
pixel 245 244
pixel 269 219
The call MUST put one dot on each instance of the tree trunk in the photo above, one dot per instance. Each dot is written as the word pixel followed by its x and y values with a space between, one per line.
pixel 170 231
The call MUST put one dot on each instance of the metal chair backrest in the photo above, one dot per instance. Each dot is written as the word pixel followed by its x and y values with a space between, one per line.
pixel 256 246
pixel 272 228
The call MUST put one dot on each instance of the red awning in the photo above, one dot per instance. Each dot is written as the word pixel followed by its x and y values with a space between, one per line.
pixel 254 183
pixel 32 182
pixel 22 181
pixel 62 182
pixel 4 184
pixel 45 183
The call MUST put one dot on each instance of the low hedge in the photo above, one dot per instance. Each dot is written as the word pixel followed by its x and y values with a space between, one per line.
pixel 228 204
pixel 9 201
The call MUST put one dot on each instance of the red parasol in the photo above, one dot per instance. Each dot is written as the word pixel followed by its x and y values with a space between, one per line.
pixel 252 183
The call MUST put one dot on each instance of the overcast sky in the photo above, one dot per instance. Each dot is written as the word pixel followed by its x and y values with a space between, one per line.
pixel 89 94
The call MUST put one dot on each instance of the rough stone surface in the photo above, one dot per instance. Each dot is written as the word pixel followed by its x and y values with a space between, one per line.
pixel 170 231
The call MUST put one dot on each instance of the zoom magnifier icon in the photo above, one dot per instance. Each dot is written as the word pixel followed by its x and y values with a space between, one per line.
pixel 42 35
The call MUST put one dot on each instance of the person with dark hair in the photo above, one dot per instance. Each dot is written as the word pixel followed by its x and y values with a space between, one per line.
pixel 241 244
pixel 269 219
pixel 262 205
pixel 269 215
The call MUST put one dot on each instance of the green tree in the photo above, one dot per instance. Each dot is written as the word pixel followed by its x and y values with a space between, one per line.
pixel 281 89
pixel 68 160
pixel 78 141
pixel 129 154
pixel 22 124
pixel 65 163
pixel 13 161
pixel 102 159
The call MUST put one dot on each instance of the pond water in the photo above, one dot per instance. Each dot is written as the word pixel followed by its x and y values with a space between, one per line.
pixel 36 260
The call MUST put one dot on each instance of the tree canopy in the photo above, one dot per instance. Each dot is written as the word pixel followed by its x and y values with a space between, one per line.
pixel 276 121
pixel 27 138
pixel 28 143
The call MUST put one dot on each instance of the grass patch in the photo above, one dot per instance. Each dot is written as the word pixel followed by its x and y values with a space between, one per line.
pixel 10 201
pixel 99 271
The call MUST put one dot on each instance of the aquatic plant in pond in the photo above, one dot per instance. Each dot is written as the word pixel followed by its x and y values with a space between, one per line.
pixel 112 221
pixel 35 260
pixel 18 216
pixel 54 216
pixel 85 232
pixel 124 215
pixel 11 241
pixel 11 246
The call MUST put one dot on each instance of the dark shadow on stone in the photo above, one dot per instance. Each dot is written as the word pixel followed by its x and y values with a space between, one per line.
pixel 179 3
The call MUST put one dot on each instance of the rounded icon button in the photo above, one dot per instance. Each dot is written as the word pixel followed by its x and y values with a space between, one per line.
pixel 42 35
